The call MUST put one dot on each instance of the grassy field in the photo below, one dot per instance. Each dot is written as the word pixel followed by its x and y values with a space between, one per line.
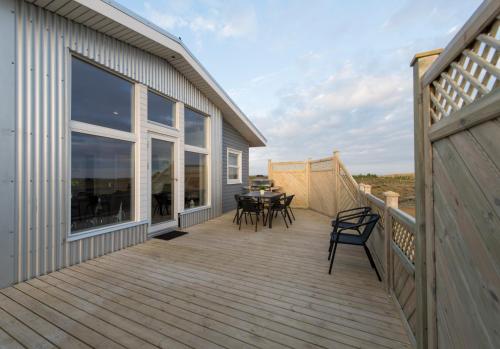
pixel 403 184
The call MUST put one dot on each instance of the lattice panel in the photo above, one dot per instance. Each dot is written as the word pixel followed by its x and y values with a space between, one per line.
pixel 404 237
pixel 281 167
pixel 326 165
pixel 473 75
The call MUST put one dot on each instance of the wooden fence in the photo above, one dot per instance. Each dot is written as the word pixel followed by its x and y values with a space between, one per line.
pixel 322 185
pixel 457 178
pixel 326 186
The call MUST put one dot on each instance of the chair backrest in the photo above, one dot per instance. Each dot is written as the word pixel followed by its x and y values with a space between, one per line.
pixel 249 205
pixel 370 221
pixel 288 200
pixel 358 212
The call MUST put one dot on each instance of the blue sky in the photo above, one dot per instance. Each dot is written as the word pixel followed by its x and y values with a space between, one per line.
pixel 315 75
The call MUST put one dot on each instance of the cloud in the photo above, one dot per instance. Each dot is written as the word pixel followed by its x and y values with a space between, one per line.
pixel 365 115
pixel 239 22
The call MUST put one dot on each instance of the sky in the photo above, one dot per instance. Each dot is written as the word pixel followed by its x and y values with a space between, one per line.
pixel 317 76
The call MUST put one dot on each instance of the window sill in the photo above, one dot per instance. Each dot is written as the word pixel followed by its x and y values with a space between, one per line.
pixel 234 181
pixel 103 230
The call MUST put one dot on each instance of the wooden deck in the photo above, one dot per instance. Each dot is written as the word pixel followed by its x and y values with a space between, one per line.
pixel 215 287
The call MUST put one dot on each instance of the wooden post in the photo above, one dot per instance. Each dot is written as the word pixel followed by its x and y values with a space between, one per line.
pixel 336 181
pixel 391 200
pixel 308 182
pixel 368 189
pixel 425 283
pixel 269 169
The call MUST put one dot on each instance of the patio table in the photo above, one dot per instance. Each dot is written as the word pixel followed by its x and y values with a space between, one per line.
pixel 268 196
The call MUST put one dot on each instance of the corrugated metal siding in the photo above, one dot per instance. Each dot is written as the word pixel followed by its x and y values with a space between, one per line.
pixel 188 219
pixel 7 142
pixel 44 41
pixel 231 138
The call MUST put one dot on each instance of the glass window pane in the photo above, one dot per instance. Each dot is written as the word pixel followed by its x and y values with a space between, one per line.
pixel 195 177
pixel 233 159
pixel 101 181
pixel 162 186
pixel 194 128
pixel 233 172
pixel 160 109
pixel 100 98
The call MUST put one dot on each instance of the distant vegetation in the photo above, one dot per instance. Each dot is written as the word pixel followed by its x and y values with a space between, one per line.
pixel 401 183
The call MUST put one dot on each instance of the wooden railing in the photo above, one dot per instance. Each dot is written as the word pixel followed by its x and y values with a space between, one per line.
pixel 393 247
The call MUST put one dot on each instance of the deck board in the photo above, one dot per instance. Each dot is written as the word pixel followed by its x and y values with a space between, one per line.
pixel 216 287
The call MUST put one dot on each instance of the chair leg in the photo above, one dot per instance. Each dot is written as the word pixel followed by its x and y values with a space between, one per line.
pixel 370 258
pixel 333 257
pixel 236 216
pixel 284 218
pixel 330 249
pixel 240 219
pixel 246 221
pixel 288 215
pixel 291 211
pixel 251 219
pixel 256 221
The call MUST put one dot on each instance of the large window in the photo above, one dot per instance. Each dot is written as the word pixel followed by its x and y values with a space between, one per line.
pixel 101 181
pixel 195 178
pixel 160 109
pixel 100 98
pixel 102 165
pixel 233 166
pixel 194 128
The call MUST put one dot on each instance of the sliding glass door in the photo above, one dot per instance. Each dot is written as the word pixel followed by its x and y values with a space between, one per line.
pixel 162 181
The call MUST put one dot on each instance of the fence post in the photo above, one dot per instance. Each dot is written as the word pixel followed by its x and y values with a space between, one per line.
pixel 308 182
pixel 425 276
pixel 368 189
pixel 361 194
pixel 391 200
pixel 336 183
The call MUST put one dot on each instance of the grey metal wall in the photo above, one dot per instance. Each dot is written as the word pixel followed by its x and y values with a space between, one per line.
pixel 7 141
pixel 44 42
pixel 231 138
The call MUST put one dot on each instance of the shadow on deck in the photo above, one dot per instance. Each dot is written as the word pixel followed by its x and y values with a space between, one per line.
pixel 215 287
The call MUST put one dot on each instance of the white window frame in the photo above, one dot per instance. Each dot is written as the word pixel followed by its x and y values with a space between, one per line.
pixel 96 130
pixel 239 154
pixel 159 127
pixel 200 150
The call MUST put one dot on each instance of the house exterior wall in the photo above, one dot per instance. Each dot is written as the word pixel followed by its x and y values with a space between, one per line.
pixel 7 141
pixel 232 139
pixel 45 42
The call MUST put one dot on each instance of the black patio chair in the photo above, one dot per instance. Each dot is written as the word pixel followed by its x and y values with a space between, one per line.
pixel 365 228
pixel 345 220
pixel 237 215
pixel 249 207
pixel 277 206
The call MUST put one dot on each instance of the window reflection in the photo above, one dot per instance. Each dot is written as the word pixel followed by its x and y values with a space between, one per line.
pixel 194 126
pixel 195 177
pixel 160 109
pixel 101 181
pixel 100 98
pixel 162 168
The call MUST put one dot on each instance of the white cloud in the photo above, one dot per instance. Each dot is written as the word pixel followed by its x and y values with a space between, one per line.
pixel 365 115
pixel 236 23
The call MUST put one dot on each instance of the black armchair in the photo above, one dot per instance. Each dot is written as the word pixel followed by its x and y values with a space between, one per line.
pixel 364 228
pixel 347 219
